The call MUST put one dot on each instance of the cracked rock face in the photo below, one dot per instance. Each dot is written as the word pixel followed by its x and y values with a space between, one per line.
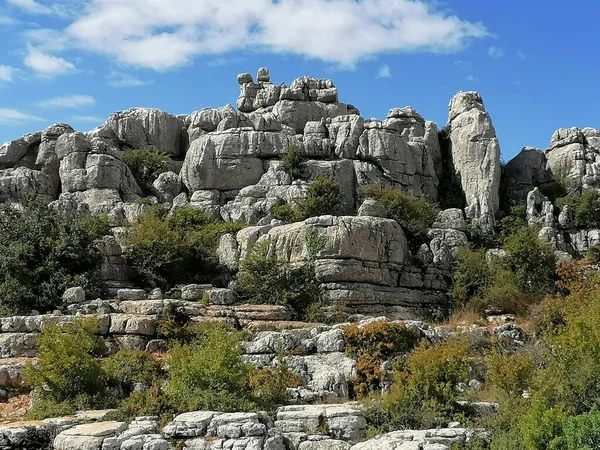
pixel 476 156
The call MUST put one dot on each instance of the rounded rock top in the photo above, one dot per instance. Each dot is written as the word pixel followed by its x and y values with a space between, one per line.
pixel 243 78
pixel 263 75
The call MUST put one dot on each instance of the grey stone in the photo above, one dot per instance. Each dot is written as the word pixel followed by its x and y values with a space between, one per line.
pixel 74 295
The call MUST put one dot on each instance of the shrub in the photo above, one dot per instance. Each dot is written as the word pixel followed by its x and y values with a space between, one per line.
pixel 415 214
pixel 178 249
pixel 593 254
pixel 42 253
pixel 424 392
pixel 283 212
pixel 208 374
pixel 373 344
pixel 265 280
pixel 269 385
pixel 323 198
pixel 513 222
pixel 511 373
pixel 126 368
pixel 146 164
pixel 586 208
pixel 292 161
pixel 532 261
pixel 67 371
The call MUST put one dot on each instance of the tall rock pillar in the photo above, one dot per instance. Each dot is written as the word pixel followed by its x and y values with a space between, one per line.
pixel 475 156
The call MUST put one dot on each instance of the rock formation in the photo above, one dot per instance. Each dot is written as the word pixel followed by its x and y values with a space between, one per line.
pixel 475 156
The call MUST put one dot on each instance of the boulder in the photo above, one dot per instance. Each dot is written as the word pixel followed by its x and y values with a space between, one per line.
pixel 90 436
pixel 74 295
pixel 523 173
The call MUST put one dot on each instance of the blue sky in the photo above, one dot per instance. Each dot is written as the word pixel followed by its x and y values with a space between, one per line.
pixel 77 61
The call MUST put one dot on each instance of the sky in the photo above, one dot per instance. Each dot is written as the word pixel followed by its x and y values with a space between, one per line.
pixel 77 61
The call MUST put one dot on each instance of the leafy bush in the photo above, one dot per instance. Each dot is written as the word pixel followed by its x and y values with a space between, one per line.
pixel 424 392
pixel 269 385
pixel 415 214
pixel 323 198
pixel 593 254
pixel 146 164
pixel 510 373
pixel 209 373
pixel 373 344
pixel 586 208
pixel 292 161
pixel 130 367
pixel 42 253
pixel 67 372
pixel 178 249
pixel 513 222
pixel 532 261
pixel 265 280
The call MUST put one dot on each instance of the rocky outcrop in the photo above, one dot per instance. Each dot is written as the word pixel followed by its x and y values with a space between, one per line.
pixel 475 156
pixel 523 173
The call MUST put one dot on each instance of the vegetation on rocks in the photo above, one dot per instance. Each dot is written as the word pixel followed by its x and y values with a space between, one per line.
pixel 264 279
pixel 585 207
pixel 323 198
pixel 146 165
pixel 43 252
pixel 165 250
pixel 414 213
pixel 292 162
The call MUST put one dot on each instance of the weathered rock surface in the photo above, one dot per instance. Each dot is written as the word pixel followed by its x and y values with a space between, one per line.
pixel 475 156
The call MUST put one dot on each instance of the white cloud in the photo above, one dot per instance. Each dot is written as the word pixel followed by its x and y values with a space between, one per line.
pixel 47 65
pixel 495 52
pixel 89 119
pixel 7 73
pixel 14 117
pixel 122 79
pixel 68 101
pixel 470 78
pixel 344 32
pixel 7 21
pixel 31 6
pixel 384 72
pixel 521 55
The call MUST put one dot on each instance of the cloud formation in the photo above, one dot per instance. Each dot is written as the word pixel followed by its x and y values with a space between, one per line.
pixel 122 80
pixel 15 117
pixel 384 72
pixel 47 65
pixel 161 35
pixel 7 73
pixel 68 101
pixel 495 52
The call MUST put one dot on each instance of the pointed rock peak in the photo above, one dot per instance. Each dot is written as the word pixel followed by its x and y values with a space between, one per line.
pixel 463 102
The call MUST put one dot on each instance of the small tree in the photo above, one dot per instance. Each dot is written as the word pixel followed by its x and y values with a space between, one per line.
pixel 292 162
pixel 146 164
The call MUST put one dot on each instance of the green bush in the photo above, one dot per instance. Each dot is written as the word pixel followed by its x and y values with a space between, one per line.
pixel 585 207
pixel 292 162
pixel 265 280
pixel 323 198
pixel 67 371
pixel 415 214
pixel 146 164
pixel 208 374
pixel 424 393
pixel 126 368
pixel 177 249
pixel 513 222
pixel 42 253
pixel 532 260
pixel 373 344
pixel 269 385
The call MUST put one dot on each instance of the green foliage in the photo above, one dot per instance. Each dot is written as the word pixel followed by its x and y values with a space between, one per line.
pixel 593 254
pixel 67 371
pixel 315 242
pixel 265 280
pixel 42 253
pixel 129 367
pixel 532 261
pixel 177 249
pixel 373 344
pixel 513 222
pixel 269 385
pixel 208 374
pixel 146 164
pixel 415 214
pixel 323 198
pixel 292 162
pixel 586 208
pixel 424 392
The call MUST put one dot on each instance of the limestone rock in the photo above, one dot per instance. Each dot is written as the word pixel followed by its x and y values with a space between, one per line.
pixel 74 295
pixel 167 186
pixel 144 127
pixel 452 218
pixel 475 156
pixel 372 208
pixel 523 173
pixel 89 436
